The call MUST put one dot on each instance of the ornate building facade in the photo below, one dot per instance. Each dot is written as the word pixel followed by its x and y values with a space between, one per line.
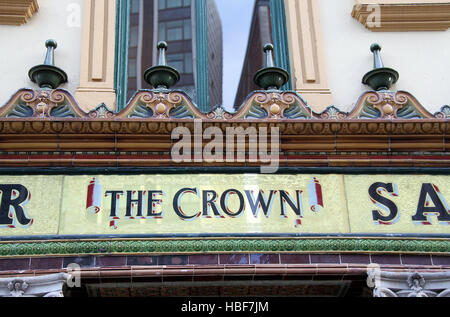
pixel 330 179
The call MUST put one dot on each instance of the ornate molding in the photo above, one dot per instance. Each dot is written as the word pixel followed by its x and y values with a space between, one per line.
pixel 47 120
pixel 29 103
pixel 160 104
pixel 101 112
pixel 34 286
pixel 17 12
pixel 401 16
pixel 219 245
pixel 444 113
pixel 273 105
pixel 333 113
pixel 409 284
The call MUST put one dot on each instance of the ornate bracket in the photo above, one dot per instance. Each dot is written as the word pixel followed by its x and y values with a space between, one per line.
pixel 39 286
pixel 409 284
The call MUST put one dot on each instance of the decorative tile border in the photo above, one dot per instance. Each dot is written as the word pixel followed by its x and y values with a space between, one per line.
pixel 229 245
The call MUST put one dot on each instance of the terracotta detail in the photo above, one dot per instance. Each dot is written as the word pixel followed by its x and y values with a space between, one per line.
pixel 274 103
pixel 389 105
pixel 384 129
pixel 41 103
pixel 161 105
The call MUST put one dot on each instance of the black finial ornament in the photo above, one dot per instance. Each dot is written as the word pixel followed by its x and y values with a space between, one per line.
pixel 380 78
pixel 48 75
pixel 270 77
pixel 162 76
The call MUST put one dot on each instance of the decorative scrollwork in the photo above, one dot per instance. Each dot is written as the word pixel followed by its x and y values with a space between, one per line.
pixel 162 104
pixel 444 113
pixel 388 105
pixel 219 113
pixel 274 105
pixel 333 113
pixel 42 104
pixel 101 112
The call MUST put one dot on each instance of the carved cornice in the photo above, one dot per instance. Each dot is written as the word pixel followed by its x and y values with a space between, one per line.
pixel 36 121
pixel 274 105
pixel 17 12
pixel 401 16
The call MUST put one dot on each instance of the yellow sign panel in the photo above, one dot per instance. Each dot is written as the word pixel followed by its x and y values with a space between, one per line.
pixel 223 204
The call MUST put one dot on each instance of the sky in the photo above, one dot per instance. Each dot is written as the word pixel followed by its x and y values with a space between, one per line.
pixel 236 18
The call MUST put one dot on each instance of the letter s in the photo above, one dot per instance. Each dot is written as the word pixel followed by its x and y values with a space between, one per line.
pixel 383 203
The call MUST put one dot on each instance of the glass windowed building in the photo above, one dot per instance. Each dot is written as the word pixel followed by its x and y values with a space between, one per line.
pixel 173 21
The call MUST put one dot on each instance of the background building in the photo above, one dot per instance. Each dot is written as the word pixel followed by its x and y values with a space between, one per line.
pixel 260 34
pixel 175 23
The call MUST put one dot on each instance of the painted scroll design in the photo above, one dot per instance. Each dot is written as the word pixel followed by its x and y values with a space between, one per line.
pixel 29 103
pixel 388 105
pixel 94 196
